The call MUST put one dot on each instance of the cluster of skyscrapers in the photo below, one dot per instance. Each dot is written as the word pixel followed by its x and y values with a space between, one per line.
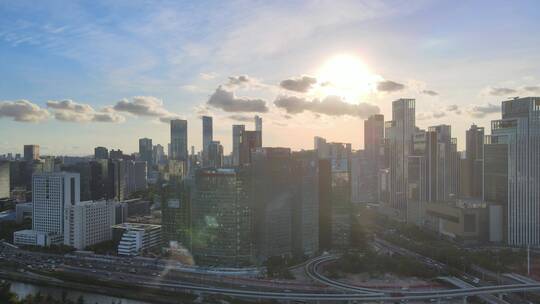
pixel 259 202
pixel 240 209
pixel 487 193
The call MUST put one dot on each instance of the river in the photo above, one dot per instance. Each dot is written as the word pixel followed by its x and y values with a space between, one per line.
pixel 24 289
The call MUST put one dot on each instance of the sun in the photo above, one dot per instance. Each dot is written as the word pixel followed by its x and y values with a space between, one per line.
pixel 346 76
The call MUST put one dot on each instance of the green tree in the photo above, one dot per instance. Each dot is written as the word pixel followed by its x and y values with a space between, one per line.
pixel 80 300
pixel 6 296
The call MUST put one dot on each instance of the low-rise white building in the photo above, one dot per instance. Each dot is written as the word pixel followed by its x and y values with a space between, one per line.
pixel 34 238
pixel 88 223
pixel 135 237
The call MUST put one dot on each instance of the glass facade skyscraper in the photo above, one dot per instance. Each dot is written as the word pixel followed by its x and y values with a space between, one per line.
pixel 519 129
pixel 398 135
pixel 179 139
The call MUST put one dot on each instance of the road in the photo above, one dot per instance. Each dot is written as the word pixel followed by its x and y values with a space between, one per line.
pixel 312 270
pixel 140 273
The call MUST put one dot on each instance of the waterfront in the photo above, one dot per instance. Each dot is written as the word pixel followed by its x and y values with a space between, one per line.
pixel 24 289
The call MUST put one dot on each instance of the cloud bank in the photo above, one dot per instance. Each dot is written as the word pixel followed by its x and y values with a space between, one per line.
pixel 242 118
pixel 147 106
pixel 330 105
pixel 430 92
pixel 390 86
pixel 71 111
pixel 483 110
pixel 300 84
pixel 22 111
pixel 501 91
pixel 228 102
pixel 238 80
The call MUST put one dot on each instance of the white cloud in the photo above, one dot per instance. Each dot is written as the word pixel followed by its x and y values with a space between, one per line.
pixel 330 105
pixel 23 111
pixel 298 84
pixel 70 111
pixel 228 102
pixel 481 111
pixel 147 106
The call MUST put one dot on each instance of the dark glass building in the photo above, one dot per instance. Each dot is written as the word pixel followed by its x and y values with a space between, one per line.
pixel 221 218
pixel 101 153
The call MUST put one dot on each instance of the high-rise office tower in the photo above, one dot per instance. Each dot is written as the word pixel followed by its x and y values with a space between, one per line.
pixel 474 145
pixel 100 187
pixel 158 154
pixel 179 139
pixel 305 213
pixel 222 218
pixel 31 152
pixel 145 150
pixel 4 179
pixel 101 153
pixel 321 147
pixel 495 185
pixel 258 123
pixel 249 141
pixel 237 131
pixel 135 175
pixel 374 135
pixel 84 169
pixel 214 155
pixel 116 179
pixel 207 127
pixel 363 178
pixel 474 155
pixel 373 143
pixel 273 193
pixel 325 204
pixel 335 192
pixel 340 195
pixel 433 166
pixel 116 154
pixel 442 163
pixel 398 136
pixel 176 214
pixel 51 193
pixel 418 171
pixel 519 128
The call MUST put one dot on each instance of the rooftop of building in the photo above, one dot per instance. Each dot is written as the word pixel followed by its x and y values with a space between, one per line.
pixel 136 226
pixel 90 202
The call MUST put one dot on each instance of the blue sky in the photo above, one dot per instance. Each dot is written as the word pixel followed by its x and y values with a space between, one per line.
pixel 81 74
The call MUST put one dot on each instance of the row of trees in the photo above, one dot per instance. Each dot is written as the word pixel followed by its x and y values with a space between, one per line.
pixel 440 249
pixel 368 261
pixel 8 297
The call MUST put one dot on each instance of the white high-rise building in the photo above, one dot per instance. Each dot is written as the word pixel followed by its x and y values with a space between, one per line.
pixel 398 134
pixel 51 194
pixel 88 223
pixel 519 130
pixel 258 123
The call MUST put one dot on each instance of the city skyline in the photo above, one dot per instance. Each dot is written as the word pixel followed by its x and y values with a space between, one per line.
pixel 109 81
pixel 270 152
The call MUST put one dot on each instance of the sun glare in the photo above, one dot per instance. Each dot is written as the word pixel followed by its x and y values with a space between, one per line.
pixel 346 76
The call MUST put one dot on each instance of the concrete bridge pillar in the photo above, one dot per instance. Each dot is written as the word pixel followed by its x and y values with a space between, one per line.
pixel 465 300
